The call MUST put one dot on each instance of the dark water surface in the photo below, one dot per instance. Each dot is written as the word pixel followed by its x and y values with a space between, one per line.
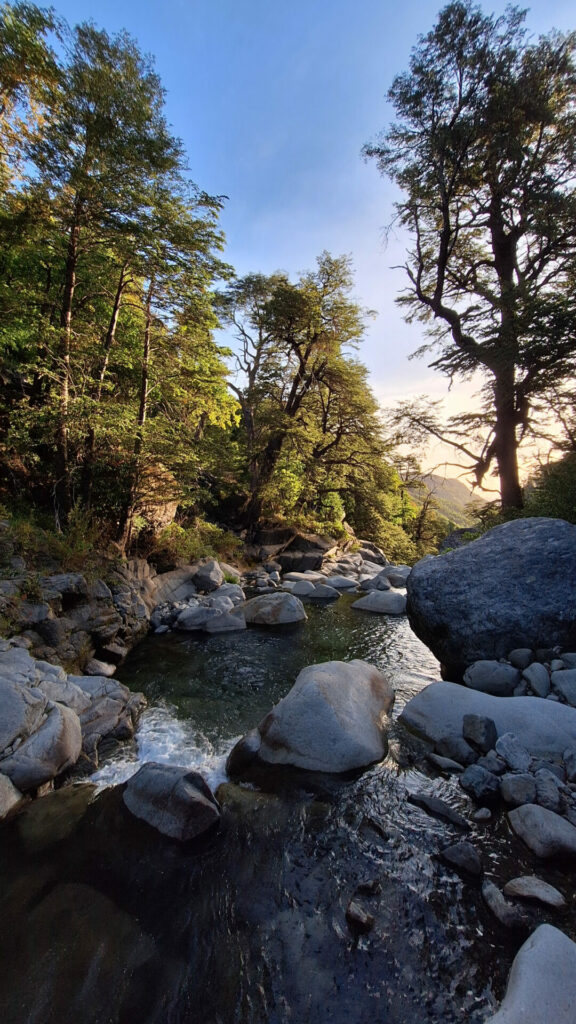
pixel 104 921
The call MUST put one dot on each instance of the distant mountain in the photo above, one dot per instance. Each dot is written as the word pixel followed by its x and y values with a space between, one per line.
pixel 451 497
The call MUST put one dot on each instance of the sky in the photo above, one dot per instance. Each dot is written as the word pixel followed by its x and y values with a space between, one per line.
pixel 274 100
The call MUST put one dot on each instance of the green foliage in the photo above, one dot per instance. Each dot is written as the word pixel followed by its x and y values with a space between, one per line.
pixel 187 543
pixel 553 492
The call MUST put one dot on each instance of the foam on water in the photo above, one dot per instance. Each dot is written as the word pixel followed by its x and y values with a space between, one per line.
pixel 164 738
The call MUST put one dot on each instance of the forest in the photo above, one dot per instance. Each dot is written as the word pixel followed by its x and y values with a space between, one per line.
pixel 124 420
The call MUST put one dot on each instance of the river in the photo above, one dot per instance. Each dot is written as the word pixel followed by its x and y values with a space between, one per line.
pixel 104 921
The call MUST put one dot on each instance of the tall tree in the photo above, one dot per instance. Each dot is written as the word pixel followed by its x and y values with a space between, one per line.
pixel 484 151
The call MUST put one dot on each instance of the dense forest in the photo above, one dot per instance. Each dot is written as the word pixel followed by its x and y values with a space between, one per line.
pixel 122 417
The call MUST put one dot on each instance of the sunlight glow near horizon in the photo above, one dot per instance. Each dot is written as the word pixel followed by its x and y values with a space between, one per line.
pixel 273 102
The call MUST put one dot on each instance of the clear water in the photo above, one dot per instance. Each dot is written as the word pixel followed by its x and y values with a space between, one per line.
pixel 105 921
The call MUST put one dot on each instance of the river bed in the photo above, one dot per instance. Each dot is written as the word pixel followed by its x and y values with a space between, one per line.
pixel 105 921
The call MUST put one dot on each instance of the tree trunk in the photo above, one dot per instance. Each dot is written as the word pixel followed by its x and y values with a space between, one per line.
pixel 505 440
pixel 127 516
pixel 63 490
pixel 88 468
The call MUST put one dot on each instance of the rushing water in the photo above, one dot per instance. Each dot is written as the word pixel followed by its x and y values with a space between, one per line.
pixel 104 921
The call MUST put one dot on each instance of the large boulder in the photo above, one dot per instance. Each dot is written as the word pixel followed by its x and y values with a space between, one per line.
pixel 332 720
pixel 274 609
pixel 546 727
pixel 543 831
pixel 382 602
pixel 47 752
pixel 173 800
pixel 510 588
pixel 542 982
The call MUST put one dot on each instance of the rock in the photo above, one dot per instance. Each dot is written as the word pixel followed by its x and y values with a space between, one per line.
pixel 322 592
pixel 438 809
pixel 22 711
pixel 564 683
pixel 536 675
pixel 542 982
pixel 445 764
pixel 516 790
pixel 10 797
pixel 226 622
pixel 508 915
pixel 512 752
pixel 382 602
pixel 547 728
pixel 177 585
pixel 332 720
pixel 492 763
pixel 569 659
pixel 359 921
pixel 492 677
pixel 274 609
pixel 341 582
pixel 543 831
pixel 233 591
pixel 303 588
pixel 99 668
pixel 207 575
pixel 372 553
pixel 483 814
pixel 457 748
pixel 66 692
pixel 485 599
pixel 521 657
pixel 175 801
pixel 480 732
pixel 569 758
pixel 547 791
pixel 48 751
pixel 463 857
pixel 529 887
pixel 196 617
pixel 481 784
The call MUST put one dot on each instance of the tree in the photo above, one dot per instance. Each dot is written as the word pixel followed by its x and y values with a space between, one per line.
pixel 484 151
pixel 290 339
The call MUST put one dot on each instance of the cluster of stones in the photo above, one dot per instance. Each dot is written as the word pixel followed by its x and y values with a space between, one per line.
pixel 48 720
pixel 545 673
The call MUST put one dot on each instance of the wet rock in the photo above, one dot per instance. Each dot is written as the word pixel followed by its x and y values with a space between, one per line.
pixel 445 764
pixel 274 609
pixel 542 982
pixel 492 677
pixel 464 858
pixel 543 831
pixel 438 809
pixel 483 600
pixel 175 801
pixel 481 785
pixel 529 887
pixel 332 720
pixel 359 921
pixel 508 915
pixel 383 602
pixel 480 732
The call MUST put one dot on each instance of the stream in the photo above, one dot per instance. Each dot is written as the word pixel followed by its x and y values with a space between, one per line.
pixel 105 921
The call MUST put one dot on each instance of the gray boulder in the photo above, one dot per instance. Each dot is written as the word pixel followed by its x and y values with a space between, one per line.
pixel 538 679
pixel 518 789
pixel 227 622
pixel 207 575
pixel 514 753
pixel 492 677
pixel 175 801
pixel 543 831
pixel 382 602
pixel 274 609
pixel 480 732
pixel 10 797
pixel 542 981
pixel 332 720
pixel 529 887
pixel 547 728
pixel 481 785
pixel 483 600
pixel 48 751
pixel 564 683
pixel 322 592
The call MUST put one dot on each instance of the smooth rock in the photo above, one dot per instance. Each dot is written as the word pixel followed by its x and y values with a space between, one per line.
pixel 322 592
pixel 342 582
pixel 332 720
pixel 516 790
pixel 463 857
pixel 543 831
pixel 52 748
pixel 196 617
pixel 445 764
pixel 542 982
pixel 538 679
pixel 227 622
pixel 485 599
pixel 302 588
pixel 173 800
pixel 521 657
pixel 10 797
pixel 492 677
pixel 529 887
pixel 564 683
pixel 547 728
pixel 438 809
pixel 274 609
pixel 508 915
pixel 383 602
pixel 207 575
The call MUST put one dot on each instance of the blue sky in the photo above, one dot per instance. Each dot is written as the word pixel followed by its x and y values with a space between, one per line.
pixel 274 100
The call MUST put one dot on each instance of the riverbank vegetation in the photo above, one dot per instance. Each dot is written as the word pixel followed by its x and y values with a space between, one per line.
pixel 125 420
